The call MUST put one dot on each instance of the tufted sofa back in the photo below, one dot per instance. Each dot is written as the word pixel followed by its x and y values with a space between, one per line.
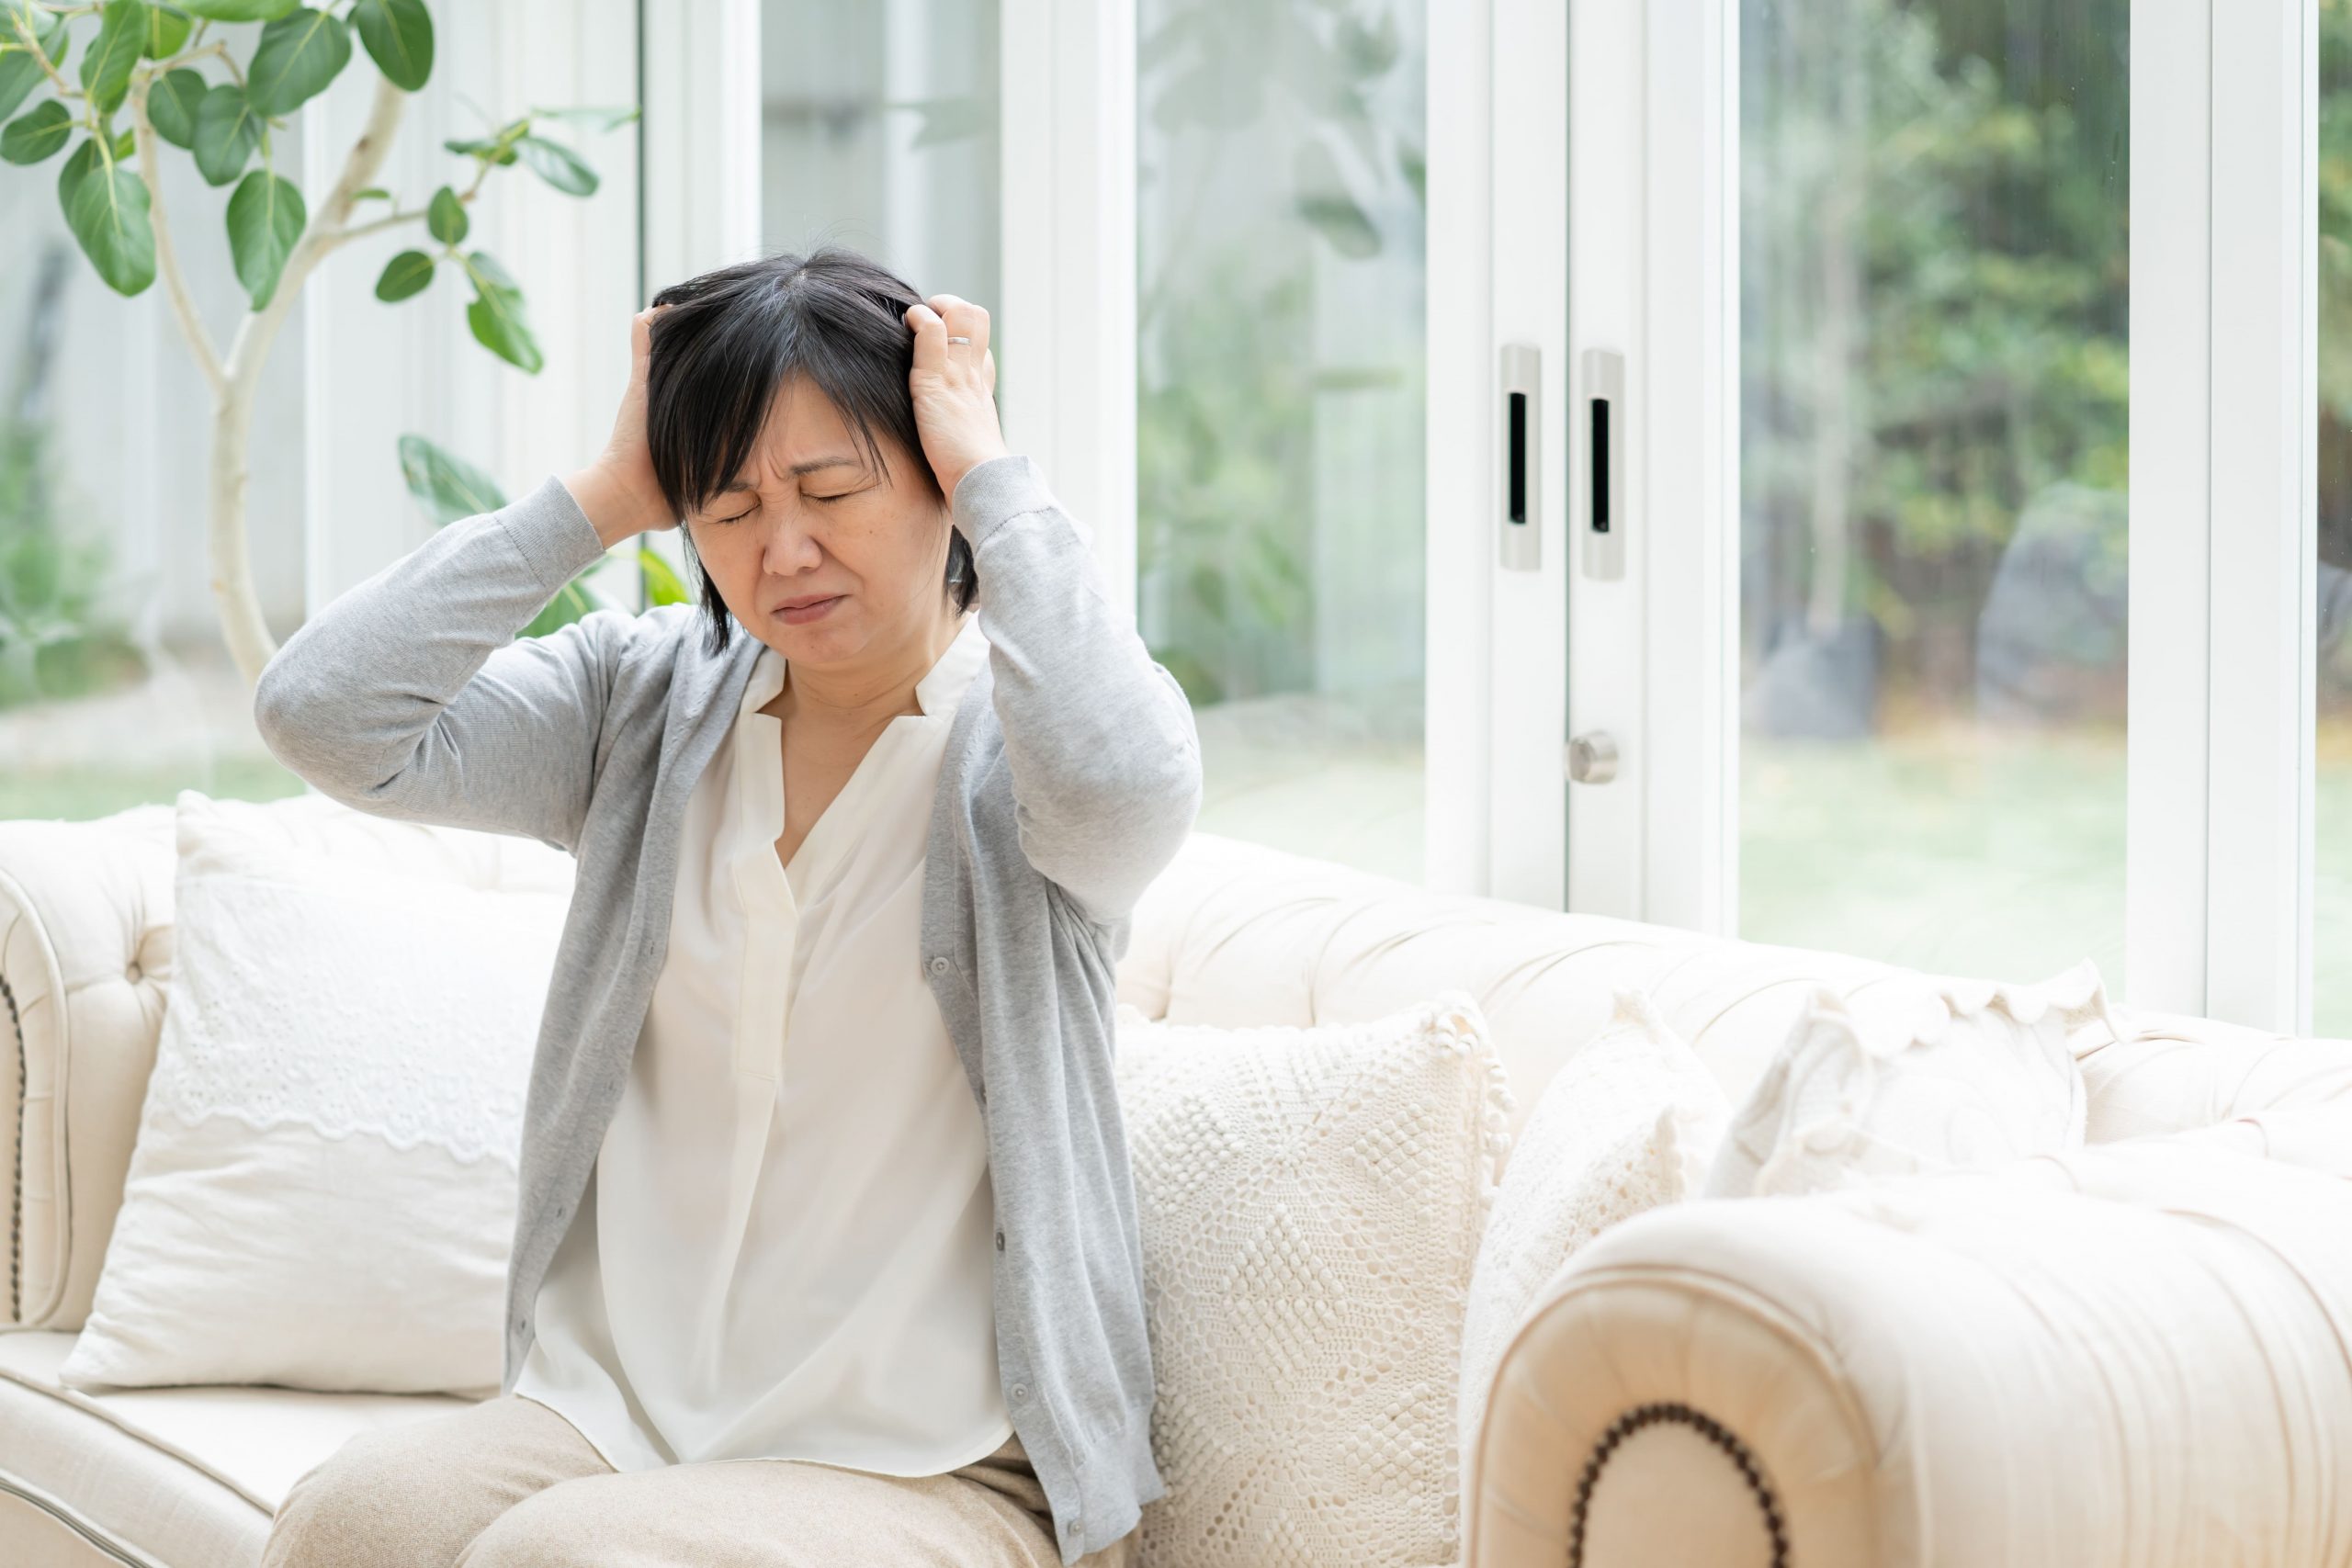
pixel 1231 933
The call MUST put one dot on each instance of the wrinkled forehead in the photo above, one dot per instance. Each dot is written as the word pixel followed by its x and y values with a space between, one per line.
pixel 804 432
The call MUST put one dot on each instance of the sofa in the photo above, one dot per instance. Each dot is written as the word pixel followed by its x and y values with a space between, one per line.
pixel 2136 1353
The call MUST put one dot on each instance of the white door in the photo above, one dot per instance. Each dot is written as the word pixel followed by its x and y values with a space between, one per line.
pixel 1608 349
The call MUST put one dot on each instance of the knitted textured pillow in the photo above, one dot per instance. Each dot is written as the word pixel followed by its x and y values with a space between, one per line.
pixel 1627 1124
pixel 1311 1202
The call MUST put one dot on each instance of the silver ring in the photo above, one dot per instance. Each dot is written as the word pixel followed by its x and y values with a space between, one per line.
pixel 959 340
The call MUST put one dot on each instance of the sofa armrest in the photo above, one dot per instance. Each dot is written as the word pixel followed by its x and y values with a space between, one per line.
pixel 2135 1353
pixel 86 929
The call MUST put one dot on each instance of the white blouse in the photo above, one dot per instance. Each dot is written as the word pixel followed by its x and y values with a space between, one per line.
pixel 793 1195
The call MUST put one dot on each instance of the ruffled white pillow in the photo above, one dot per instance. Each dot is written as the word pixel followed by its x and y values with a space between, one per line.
pixel 322 1194
pixel 1921 1073
pixel 1627 1124
pixel 1311 1203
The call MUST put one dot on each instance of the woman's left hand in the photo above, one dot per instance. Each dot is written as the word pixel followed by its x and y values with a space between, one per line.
pixel 955 388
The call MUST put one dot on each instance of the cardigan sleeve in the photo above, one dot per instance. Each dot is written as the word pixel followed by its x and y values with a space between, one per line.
pixel 1104 756
pixel 409 695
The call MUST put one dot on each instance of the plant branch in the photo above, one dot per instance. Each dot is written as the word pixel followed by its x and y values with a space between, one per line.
pixel 207 358
pixel 394 219
pixel 325 231
pixel 32 46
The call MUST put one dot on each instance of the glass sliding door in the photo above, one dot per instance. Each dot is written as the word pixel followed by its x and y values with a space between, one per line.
pixel 879 129
pixel 1932 559
pixel 1280 312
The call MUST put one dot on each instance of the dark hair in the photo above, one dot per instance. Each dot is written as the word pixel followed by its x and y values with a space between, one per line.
pixel 735 335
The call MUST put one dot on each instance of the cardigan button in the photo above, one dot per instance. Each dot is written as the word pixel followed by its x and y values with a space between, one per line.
pixel 1020 1393
pixel 1000 1238
pixel 1072 1527
pixel 939 964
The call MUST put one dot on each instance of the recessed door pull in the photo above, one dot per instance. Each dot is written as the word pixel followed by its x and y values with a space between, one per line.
pixel 1603 496
pixel 1519 533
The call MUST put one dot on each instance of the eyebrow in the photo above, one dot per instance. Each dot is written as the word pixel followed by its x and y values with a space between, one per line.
pixel 837 460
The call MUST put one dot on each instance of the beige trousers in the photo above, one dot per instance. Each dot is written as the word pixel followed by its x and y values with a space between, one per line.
pixel 509 1483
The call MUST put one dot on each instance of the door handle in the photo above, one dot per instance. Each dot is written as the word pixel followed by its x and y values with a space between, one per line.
pixel 1603 499
pixel 1592 757
pixel 1521 369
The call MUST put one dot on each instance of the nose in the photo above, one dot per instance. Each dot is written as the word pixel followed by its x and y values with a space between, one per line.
pixel 789 549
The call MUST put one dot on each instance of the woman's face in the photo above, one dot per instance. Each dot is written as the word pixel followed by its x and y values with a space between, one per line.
pixel 822 556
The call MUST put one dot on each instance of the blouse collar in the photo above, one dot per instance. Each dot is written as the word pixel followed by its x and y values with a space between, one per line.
pixel 936 694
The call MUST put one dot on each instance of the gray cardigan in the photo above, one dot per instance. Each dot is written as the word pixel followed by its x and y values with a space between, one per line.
pixel 1072 774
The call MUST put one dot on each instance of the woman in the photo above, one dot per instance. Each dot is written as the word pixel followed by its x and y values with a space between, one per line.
pixel 821 1162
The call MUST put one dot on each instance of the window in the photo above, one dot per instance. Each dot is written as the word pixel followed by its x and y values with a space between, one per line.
pixel 1280 280
pixel 1934 289
pixel 879 129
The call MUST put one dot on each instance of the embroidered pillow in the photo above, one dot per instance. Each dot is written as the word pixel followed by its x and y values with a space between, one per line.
pixel 1310 1202
pixel 322 1192
pixel 1626 1125
pixel 1919 1074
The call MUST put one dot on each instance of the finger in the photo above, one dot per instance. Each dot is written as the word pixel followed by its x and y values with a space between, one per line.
pixel 963 318
pixel 930 338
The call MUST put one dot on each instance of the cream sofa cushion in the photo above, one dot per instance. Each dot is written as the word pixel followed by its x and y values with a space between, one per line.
pixel 321 1191
pixel 1629 1124
pixel 1310 1201
pixel 1920 1074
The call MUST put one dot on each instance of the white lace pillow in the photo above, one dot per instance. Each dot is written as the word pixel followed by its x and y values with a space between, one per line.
pixel 1920 1074
pixel 1310 1202
pixel 322 1194
pixel 1627 1124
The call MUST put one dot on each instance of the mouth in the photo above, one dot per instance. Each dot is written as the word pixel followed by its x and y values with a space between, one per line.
pixel 813 607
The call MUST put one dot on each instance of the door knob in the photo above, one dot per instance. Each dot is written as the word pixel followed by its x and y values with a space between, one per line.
pixel 1592 757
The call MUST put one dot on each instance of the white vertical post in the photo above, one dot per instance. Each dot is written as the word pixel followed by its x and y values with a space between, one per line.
pixel 2170 637
pixel 2224 509
pixel 1459 519
pixel 2264 509
pixel 1067 324
pixel 1685 445
pixel 1540 296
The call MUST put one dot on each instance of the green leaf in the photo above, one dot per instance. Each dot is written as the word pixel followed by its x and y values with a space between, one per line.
pixel 556 165
pixel 167 27
pixel 239 10
pixel 445 216
pixel 398 36
pixel 373 193
pixel 126 144
pixel 449 487
pixel 1324 201
pixel 86 158
pixel 265 218
pixel 298 54
pixel 405 273
pixel 109 215
pixel 571 600
pixel 662 584
pixel 106 70
pixel 594 118
pixel 493 149
pixel 37 133
pixel 21 72
pixel 496 314
pixel 172 104
pixel 227 131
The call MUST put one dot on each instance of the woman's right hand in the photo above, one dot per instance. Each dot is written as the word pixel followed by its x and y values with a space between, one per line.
pixel 618 492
